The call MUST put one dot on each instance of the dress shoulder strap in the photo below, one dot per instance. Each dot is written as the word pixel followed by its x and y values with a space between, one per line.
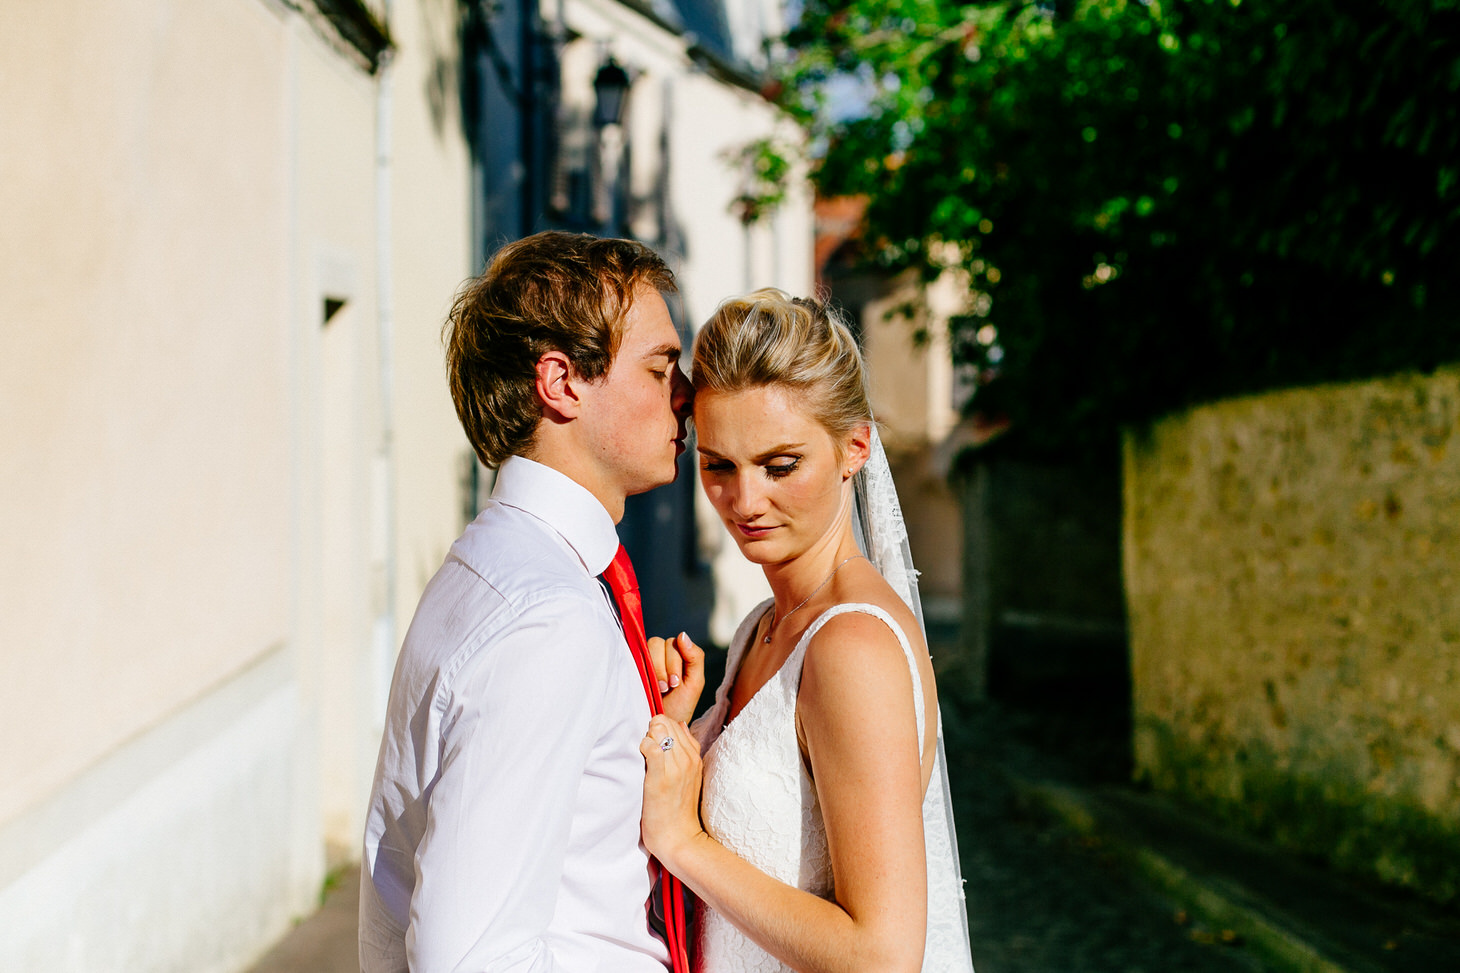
pixel 864 608
pixel 740 642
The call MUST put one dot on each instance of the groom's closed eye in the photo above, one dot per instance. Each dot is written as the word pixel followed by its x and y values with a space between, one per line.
pixel 663 359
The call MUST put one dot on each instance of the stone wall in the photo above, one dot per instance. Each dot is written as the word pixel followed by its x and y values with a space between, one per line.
pixel 1290 565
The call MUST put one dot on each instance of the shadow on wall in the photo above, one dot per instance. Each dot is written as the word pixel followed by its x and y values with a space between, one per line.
pixel 1043 623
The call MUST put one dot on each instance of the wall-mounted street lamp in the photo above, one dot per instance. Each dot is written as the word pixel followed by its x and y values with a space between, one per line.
pixel 610 88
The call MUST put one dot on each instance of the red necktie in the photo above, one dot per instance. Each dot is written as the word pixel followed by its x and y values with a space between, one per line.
pixel 625 587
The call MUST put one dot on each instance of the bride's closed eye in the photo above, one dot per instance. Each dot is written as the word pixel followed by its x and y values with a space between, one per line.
pixel 773 470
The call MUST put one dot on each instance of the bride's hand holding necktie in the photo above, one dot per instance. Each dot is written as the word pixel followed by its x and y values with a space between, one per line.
pixel 679 665
pixel 672 778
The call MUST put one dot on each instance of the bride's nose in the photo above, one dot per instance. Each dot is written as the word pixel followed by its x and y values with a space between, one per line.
pixel 747 494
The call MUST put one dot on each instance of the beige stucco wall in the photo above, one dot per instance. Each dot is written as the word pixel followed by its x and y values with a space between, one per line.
pixel 909 359
pixel 144 379
pixel 1290 562
pixel 337 423
pixel 431 254
pixel 394 240
pixel 199 483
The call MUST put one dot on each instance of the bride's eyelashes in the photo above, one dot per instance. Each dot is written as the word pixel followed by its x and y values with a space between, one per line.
pixel 774 471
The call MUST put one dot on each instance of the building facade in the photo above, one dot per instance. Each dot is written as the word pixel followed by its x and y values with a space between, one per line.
pixel 633 118
pixel 234 229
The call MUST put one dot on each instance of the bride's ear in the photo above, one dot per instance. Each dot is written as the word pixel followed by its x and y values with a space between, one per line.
pixel 859 448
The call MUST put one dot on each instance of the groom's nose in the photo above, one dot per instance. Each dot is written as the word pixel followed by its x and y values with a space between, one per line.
pixel 682 395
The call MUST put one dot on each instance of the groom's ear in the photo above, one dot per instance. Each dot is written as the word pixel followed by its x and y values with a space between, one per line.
pixel 859 448
pixel 557 386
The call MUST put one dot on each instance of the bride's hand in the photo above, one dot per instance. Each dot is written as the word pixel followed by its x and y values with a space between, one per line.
pixel 679 665
pixel 672 780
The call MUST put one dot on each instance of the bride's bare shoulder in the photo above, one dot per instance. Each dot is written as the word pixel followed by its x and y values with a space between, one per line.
pixel 868 587
pixel 854 683
pixel 851 653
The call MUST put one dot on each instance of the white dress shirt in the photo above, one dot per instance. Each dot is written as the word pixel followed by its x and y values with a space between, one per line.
pixel 503 828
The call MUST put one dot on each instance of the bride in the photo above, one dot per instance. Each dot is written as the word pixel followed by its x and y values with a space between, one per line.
pixel 807 809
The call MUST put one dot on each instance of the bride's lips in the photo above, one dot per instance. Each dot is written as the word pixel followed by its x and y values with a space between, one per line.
pixel 752 533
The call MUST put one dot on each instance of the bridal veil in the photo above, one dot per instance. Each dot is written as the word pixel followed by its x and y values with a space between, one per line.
pixel 882 535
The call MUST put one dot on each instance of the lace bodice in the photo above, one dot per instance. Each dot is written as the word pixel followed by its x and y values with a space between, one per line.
pixel 759 802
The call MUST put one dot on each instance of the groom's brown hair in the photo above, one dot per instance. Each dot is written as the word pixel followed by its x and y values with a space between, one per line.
pixel 551 291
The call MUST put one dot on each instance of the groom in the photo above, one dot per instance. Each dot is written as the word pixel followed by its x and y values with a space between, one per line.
pixel 503 826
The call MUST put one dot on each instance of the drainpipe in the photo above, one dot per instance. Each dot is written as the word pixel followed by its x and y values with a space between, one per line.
pixel 384 629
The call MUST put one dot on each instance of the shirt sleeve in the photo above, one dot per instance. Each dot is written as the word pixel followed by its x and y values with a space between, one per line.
pixel 520 721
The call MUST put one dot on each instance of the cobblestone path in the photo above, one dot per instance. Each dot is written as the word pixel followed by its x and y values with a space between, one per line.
pixel 1040 898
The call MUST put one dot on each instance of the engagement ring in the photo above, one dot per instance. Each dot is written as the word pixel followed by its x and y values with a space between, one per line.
pixel 667 744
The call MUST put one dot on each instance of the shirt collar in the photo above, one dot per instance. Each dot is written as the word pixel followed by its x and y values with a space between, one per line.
pixel 563 504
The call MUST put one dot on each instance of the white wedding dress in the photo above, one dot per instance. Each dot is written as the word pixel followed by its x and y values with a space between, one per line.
pixel 759 802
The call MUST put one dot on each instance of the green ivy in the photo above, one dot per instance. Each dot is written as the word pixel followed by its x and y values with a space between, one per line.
pixel 764 168
pixel 1166 202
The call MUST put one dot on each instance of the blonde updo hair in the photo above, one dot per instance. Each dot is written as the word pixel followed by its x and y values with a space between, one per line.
pixel 769 337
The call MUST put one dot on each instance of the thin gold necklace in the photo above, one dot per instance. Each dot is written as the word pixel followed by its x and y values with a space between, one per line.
pixel 770 629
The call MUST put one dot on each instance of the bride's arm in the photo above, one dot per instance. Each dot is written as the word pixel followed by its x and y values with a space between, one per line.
pixel 860 734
